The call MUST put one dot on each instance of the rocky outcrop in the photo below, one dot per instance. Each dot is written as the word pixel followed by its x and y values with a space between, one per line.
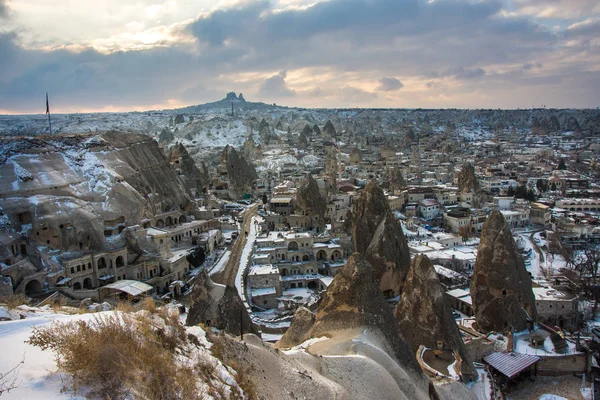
pixel 219 306
pixel 467 181
pixel 309 198
pixel 239 172
pixel 397 181
pixel 329 129
pixel 299 330
pixel 353 305
pixel 501 286
pixel 429 320
pixel 82 184
pixel 195 179
pixel 379 237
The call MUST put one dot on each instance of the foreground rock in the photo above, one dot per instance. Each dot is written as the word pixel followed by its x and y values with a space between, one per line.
pixel 354 351
pixel 379 237
pixel 299 330
pixel 218 306
pixel 501 287
pixel 425 319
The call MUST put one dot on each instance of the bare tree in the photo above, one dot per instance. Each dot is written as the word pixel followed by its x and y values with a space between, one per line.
pixel 465 232
pixel 9 379
pixel 586 262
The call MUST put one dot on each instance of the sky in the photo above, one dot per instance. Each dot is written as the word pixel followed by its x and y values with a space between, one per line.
pixel 134 55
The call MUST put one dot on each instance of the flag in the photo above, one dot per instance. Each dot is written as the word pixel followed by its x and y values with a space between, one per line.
pixel 47 105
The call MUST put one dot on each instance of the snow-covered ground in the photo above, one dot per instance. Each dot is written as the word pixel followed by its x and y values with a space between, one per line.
pixel 37 377
pixel 220 265
pixel 245 258
pixel 532 263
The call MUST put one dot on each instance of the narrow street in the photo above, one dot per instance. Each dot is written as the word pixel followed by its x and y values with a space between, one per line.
pixel 227 276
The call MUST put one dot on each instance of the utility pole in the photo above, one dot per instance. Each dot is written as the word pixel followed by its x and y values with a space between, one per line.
pixel 48 113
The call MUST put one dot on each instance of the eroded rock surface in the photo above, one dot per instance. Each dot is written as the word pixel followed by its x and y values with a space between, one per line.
pixel 219 306
pixel 378 235
pixel 424 318
pixel 501 287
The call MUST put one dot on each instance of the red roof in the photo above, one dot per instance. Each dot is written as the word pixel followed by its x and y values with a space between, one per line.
pixel 510 364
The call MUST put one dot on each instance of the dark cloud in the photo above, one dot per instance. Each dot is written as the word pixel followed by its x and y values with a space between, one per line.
pixel 3 9
pixel 389 84
pixel 440 40
pixel 276 86
pixel 466 73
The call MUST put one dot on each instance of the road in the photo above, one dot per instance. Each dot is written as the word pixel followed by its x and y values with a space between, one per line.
pixel 227 276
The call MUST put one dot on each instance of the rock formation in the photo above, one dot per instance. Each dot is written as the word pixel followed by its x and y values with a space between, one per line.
pixel 82 184
pixel 379 237
pixel 397 181
pixel 299 330
pixel 240 173
pixel 353 310
pixel 329 129
pixel 429 319
pixel 309 198
pixel 195 179
pixel 219 306
pixel 501 287
pixel 467 181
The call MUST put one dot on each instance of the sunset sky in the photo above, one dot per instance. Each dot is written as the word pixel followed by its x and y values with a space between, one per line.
pixel 121 55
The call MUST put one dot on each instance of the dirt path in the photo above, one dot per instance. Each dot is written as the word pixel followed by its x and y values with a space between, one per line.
pixel 227 276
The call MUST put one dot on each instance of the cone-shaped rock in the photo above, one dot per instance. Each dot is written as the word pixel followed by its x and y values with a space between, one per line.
pixel 241 174
pixel 309 198
pixel 424 318
pixel 501 286
pixel 195 178
pixel 379 237
pixel 219 306
pixel 467 181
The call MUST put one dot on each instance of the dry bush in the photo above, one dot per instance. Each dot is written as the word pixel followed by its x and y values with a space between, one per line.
pixel 14 301
pixel 58 304
pixel 120 356
pixel 124 307
pixel 150 305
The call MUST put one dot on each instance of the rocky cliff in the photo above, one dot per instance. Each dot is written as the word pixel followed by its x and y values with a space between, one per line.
pixel 378 236
pixel 66 189
pixel 424 318
pixel 501 286
pixel 467 181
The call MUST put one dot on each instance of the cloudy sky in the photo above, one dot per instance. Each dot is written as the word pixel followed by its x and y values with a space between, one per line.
pixel 114 55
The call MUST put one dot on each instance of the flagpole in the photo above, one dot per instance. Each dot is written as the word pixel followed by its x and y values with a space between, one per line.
pixel 48 113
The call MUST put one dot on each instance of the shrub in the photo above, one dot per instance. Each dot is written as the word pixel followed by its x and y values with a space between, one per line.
pixel 121 355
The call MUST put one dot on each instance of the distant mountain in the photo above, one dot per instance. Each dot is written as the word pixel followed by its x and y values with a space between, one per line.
pixel 238 102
